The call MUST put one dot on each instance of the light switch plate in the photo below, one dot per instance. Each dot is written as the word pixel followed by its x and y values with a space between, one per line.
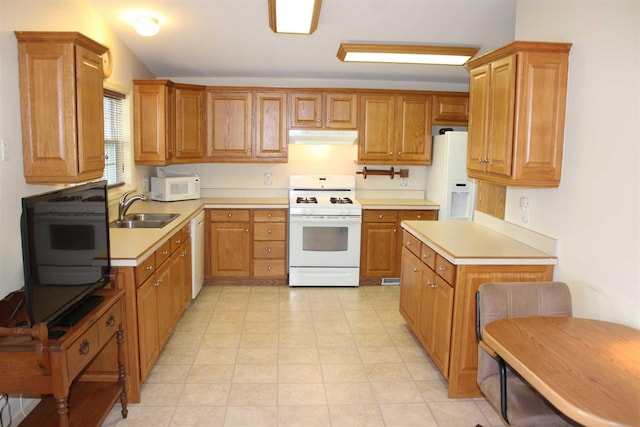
pixel 4 149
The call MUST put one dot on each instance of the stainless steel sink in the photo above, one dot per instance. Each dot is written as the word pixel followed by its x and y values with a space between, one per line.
pixel 144 220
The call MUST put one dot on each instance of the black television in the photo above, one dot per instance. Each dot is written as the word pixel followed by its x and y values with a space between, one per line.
pixel 66 252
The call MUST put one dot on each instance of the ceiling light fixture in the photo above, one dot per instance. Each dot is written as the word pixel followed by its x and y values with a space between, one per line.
pixel 294 16
pixel 405 53
pixel 147 26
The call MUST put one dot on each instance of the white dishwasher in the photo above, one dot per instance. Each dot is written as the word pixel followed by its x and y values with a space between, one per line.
pixel 197 254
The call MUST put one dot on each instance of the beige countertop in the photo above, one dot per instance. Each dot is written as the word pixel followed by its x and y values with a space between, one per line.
pixel 369 203
pixel 131 246
pixel 463 242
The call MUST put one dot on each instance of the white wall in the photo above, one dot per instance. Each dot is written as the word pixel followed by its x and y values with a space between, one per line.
pixel 595 212
pixel 39 15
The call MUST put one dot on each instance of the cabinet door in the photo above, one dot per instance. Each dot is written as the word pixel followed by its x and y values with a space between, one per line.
pixel 230 249
pixel 410 287
pixel 153 123
pixel 478 117
pixel 442 319
pixel 501 115
pixel 147 326
pixel 377 128
pixel 341 111
pixel 305 110
pixel 379 254
pixel 163 295
pixel 228 124
pixel 190 128
pixel 450 110
pixel 90 111
pixel 427 301
pixel 413 130
pixel 187 273
pixel 270 121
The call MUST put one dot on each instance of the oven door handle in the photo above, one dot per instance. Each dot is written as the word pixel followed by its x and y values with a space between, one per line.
pixel 325 219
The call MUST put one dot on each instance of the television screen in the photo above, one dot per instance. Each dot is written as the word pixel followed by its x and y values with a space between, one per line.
pixel 65 247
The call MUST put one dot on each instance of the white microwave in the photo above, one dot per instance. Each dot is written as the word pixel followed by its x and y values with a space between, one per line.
pixel 174 188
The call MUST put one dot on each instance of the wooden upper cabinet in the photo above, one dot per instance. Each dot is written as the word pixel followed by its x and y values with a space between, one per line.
pixel 270 134
pixel 517 101
pixel 190 122
pixel 61 97
pixel 451 109
pixel 229 119
pixel 311 110
pixel 154 121
pixel 395 129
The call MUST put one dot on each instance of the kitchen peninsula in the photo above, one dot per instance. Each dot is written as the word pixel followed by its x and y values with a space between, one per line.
pixel 443 264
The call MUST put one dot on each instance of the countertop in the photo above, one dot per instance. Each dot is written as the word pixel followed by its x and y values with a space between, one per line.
pixel 464 242
pixel 408 204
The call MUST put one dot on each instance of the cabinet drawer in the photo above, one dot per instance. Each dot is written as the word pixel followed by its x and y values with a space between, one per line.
pixel 425 215
pixel 229 215
pixel 445 269
pixel 109 323
pixel 176 240
pixel 145 269
pixel 163 252
pixel 412 243
pixel 269 250
pixel 270 215
pixel 82 350
pixel 428 256
pixel 379 215
pixel 269 267
pixel 269 231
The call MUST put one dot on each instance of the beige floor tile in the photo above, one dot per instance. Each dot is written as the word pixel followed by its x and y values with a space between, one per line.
pixel 433 390
pixel 291 325
pixel 254 416
pixel 262 316
pixel 379 355
pixel 257 356
pixel 259 340
pixel 298 355
pixel 160 394
pixel 224 327
pixel 333 355
pixel 168 374
pixel 253 395
pixel 178 340
pixel 301 394
pixel 349 393
pixel 299 373
pixel 458 414
pixel 372 340
pixel 205 395
pixel 190 327
pixel 382 372
pixel 492 415
pixel 177 356
pixel 140 416
pixel 397 392
pixel 266 327
pixel 408 415
pixel 344 373
pixel 199 416
pixel 335 327
pixel 255 373
pixel 304 416
pixel 329 312
pixel 216 356
pixel 413 353
pixel 367 327
pixel 360 312
pixel 355 416
pixel 220 341
pixel 207 374
pixel 297 340
pixel 328 339
pixel 423 371
pixel 228 315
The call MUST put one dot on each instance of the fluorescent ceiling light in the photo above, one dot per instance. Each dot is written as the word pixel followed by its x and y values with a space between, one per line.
pixel 294 16
pixel 147 26
pixel 405 54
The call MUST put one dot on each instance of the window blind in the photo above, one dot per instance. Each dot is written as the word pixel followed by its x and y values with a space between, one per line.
pixel 115 137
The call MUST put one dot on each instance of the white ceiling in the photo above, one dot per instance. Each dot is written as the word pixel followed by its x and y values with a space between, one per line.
pixel 232 38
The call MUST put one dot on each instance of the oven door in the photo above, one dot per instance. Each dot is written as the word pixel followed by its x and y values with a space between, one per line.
pixel 324 241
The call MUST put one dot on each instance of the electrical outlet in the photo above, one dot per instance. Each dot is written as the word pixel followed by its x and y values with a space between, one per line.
pixel 145 184
pixel 4 149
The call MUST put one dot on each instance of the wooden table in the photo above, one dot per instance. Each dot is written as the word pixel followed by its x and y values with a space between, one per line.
pixel 588 369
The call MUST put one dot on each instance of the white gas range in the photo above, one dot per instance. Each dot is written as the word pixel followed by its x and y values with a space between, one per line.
pixel 324 231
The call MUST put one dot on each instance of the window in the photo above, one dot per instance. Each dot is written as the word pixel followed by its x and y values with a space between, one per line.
pixel 115 137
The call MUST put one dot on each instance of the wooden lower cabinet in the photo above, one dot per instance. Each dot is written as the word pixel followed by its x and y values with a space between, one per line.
pixel 381 245
pixel 157 292
pixel 445 312
pixel 246 243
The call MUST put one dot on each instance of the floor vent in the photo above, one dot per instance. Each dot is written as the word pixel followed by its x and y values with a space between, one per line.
pixel 390 281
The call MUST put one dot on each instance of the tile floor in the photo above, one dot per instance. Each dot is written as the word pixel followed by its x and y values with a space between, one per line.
pixel 280 356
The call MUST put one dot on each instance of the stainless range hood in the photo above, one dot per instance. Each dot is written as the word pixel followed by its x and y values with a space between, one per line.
pixel 323 137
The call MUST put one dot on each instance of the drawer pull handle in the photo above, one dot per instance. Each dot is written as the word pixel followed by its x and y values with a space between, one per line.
pixel 149 267
pixel 165 252
pixel 408 242
pixel 84 347
pixel 183 254
pixel 425 256
pixel 178 241
pixel 111 320
pixel 441 268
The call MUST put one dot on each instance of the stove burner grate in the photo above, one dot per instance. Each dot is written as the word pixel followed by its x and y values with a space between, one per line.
pixel 306 200
pixel 341 200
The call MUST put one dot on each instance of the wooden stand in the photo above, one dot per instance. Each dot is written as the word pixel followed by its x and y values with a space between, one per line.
pixel 81 375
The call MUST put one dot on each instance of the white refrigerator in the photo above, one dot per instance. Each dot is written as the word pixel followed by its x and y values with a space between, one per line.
pixel 447 181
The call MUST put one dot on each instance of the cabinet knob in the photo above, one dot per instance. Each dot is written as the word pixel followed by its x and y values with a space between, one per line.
pixel 399 153
pixel 425 256
pixel 391 153
pixel 268 250
pixel 268 215
pixel 380 216
pixel 395 230
pixel 415 270
pixel 408 242
pixel 183 254
pixel 229 215
pixel 269 268
pixel 246 230
pixel 269 231
pixel 419 216
pixel 179 150
pixel 111 320
pixel 178 241
pixel 165 252
pixel 441 268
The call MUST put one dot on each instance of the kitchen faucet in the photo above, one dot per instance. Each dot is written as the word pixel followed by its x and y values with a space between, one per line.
pixel 124 204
